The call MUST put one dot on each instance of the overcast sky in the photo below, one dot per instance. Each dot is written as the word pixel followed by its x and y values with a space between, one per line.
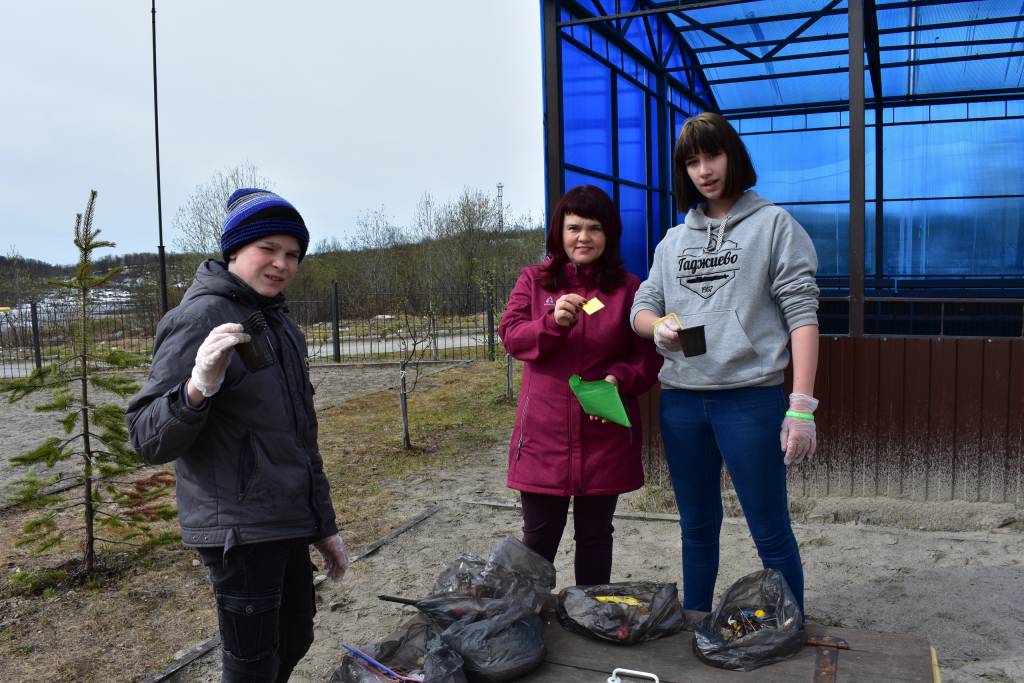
pixel 345 105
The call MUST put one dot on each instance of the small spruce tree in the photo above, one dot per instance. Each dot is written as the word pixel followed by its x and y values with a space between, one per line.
pixel 94 434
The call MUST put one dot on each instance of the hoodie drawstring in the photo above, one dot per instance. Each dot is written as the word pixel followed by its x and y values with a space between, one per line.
pixel 721 234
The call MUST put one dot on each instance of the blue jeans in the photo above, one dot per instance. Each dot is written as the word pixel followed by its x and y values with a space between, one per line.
pixel 265 606
pixel 700 429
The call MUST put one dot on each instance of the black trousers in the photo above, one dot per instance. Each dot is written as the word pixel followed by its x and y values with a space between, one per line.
pixel 265 606
pixel 544 520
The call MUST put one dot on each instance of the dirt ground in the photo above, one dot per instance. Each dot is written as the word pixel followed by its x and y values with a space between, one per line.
pixel 22 428
pixel 957 580
pixel 959 589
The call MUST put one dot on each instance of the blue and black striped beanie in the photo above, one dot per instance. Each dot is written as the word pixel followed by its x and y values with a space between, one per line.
pixel 254 213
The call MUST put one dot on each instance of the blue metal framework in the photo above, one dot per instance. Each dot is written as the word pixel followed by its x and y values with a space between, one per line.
pixel 921 142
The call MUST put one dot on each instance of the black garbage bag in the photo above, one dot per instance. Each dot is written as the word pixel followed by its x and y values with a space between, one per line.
pixel 495 650
pixel 415 648
pixel 622 613
pixel 486 611
pixel 512 572
pixel 758 622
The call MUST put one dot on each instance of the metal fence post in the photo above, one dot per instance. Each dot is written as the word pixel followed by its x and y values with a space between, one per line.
pixel 36 345
pixel 490 321
pixel 335 332
pixel 509 360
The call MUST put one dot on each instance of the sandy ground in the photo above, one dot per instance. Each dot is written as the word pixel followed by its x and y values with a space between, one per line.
pixel 960 590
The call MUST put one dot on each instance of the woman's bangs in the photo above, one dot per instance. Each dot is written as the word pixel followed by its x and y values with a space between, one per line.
pixel 700 137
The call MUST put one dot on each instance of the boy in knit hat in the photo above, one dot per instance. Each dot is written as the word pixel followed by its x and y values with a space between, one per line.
pixel 251 491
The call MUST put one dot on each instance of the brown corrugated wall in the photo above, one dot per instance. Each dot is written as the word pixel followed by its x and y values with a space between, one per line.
pixel 920 418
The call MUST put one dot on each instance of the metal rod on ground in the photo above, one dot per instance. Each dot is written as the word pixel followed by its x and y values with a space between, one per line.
pixel 403 404
pixel 335 332
pixel 508 372
pixel 36 346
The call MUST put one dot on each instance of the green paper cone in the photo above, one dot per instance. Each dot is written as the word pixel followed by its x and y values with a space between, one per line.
pixel 600 399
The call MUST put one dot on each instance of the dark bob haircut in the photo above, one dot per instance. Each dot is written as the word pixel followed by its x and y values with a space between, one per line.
pixel 710 133
pixel 590 202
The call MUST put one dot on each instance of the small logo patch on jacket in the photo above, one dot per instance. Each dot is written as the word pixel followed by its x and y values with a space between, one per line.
pixel 550 301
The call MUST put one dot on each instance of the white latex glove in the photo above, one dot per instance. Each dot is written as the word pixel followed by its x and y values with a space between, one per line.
pixel 798 437
pixel 666 333
pixel 213 356
pixel 332 550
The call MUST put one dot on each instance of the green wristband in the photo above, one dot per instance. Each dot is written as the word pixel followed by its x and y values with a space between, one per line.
pixel 801 416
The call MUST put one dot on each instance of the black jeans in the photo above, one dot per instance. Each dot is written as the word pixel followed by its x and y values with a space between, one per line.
pixel 544 520
pixel 265 606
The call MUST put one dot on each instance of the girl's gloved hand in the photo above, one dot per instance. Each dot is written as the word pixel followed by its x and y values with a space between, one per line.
pixel 332 549
pixel 798 437
pixel 213 356
pixel 666 333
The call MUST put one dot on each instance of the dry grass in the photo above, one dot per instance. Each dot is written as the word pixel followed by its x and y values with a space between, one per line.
pixel 145 606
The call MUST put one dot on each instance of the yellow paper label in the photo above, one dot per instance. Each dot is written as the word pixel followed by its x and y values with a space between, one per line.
pixel 621 599
pixel 593 306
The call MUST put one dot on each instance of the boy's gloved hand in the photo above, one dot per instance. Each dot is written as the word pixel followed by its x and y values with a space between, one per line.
pixel 666 333
pixel 332 549
pixel 798 437
pixel 213 356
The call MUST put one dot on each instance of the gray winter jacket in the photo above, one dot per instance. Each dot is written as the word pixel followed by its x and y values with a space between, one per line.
pixel 247 463
pixel 748 279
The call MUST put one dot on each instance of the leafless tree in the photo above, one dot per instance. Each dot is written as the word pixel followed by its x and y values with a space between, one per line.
pixel 198 221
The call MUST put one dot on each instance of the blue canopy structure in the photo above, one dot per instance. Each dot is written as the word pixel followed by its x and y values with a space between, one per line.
pixel 893 131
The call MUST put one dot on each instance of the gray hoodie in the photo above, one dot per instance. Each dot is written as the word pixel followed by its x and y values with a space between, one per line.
pixel 748 279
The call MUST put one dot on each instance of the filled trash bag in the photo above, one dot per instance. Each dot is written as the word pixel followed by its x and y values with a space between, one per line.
pixel 494 651
pixel 481 614
pixel 622 613
pixel 512 572
pixel 414 649
pixel 758 622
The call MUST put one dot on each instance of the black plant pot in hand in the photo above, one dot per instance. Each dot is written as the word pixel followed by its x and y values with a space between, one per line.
pixel 258 352
pixel 692 339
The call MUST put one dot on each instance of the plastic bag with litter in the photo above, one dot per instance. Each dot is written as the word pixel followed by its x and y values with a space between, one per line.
pixel 758 622
pixel 622 613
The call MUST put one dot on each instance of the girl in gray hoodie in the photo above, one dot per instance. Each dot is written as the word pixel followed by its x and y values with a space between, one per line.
pixel 742 270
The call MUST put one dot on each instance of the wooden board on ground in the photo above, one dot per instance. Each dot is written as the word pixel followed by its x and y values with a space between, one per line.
pixel 874 657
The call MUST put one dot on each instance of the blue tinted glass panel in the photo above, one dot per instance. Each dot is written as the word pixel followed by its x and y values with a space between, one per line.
pixel 983 109
pixel 948 111
pixel 586 105
pixel 955 237
pixel 828 226
pixel 753 125
pixel 633 208
pixel 904 114
pixel 598 44
pixel 632 132
pixel 954 159
pixel 1015 108
pixel 574 179
pixel 826 120
pixel 636 33
pixel 809 166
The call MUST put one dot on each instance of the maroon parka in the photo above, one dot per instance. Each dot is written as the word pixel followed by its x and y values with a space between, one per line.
pixel 555 448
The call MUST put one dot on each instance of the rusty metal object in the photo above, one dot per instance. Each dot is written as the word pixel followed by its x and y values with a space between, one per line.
pixel 826 662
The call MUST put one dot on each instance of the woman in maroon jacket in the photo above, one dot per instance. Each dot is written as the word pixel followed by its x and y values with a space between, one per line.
pixel 558 452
